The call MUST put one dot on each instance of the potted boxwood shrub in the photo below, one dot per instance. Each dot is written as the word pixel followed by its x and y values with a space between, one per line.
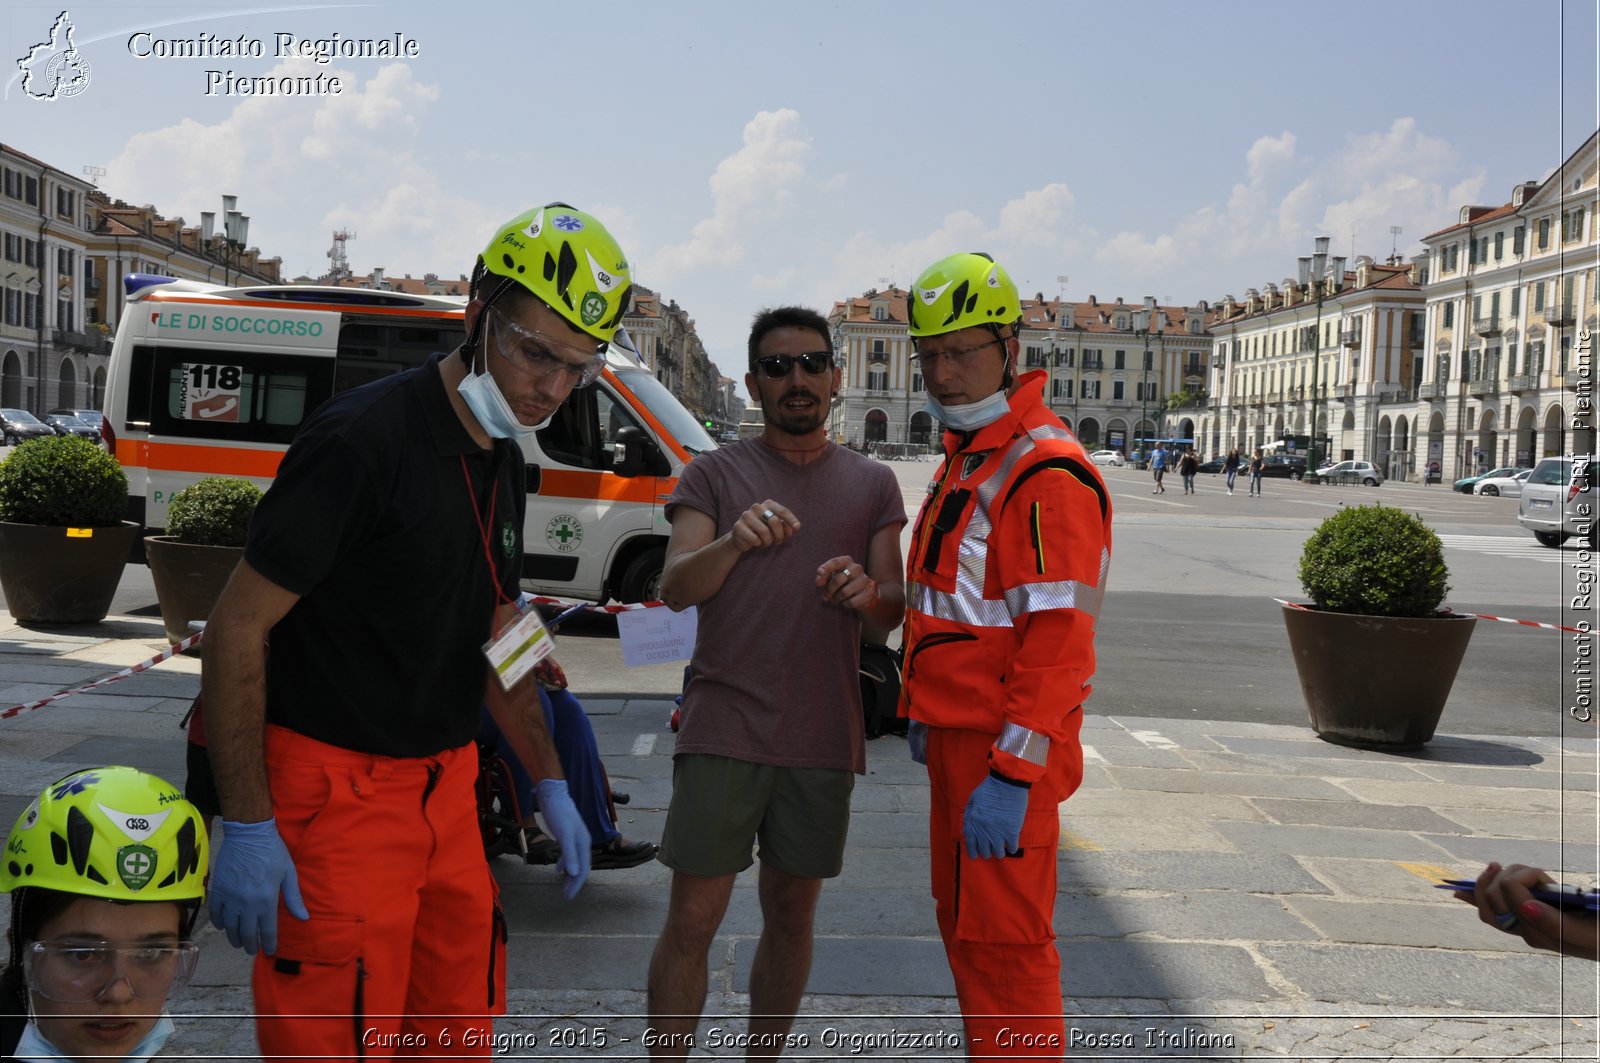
pixel 206 527
pixel 63 542
pixel 1376 654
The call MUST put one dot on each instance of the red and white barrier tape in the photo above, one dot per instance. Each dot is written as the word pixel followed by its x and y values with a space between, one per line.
pixel 537 599
pixel 1480 616
pixel 194 640
pixel 1526 623
pixel 164 655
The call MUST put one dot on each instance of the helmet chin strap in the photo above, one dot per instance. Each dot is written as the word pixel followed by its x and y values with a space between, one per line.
pixel 1004 340
pixel 494 295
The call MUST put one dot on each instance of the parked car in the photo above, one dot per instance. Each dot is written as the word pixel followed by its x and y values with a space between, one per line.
pixel 1108 457
pixel 1360 472
pixel 92 418
pixel 1467 483
pixel 67 425
pixel 1214 465
pixel 1284 466
pixel 18 425
pixel 1510 486
pixel 1558 500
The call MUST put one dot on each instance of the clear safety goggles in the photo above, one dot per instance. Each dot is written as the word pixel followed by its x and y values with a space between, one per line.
pixel 77 972
pixel 536 354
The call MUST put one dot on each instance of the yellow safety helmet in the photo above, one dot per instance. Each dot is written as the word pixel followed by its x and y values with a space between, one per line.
pixel 570 261
pixel 960 291
pixel 115 833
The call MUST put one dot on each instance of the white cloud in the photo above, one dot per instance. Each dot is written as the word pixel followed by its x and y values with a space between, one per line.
pixel 1030 235
pixel 354 156
pixel 1268 154
pixel 1037 217
pixel 388 105
pixel 1395 176
pixel 750 188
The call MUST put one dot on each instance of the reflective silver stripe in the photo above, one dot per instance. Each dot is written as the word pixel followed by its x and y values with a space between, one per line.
pixel 972 610
pixel 1020 448
pixel 1045 431
pixel 1105 573
pixel 1023 744
pixel 1059 594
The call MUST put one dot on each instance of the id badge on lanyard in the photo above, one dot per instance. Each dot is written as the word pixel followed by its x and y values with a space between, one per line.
pixel 513 653
pixel 524 642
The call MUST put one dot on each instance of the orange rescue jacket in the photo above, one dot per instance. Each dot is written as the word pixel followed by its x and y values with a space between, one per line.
pixel 1004 582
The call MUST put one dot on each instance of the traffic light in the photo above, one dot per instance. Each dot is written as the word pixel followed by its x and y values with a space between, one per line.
pixel 710 423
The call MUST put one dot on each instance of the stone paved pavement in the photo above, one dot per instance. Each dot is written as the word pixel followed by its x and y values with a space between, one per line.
pixel 1229 890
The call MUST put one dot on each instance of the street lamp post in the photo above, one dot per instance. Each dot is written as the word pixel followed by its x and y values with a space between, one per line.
pixel 1143 321
pixel 1316 269
pixel 235 231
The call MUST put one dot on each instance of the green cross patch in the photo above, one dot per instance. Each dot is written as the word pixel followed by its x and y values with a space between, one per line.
pixel 136 866
pixel 508 539
pixel 593 308
pixel 563 533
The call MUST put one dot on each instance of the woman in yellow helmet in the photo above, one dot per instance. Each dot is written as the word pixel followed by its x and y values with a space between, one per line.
pixel 106 869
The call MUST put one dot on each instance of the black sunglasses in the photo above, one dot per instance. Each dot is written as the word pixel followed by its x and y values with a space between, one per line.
pixel 778 366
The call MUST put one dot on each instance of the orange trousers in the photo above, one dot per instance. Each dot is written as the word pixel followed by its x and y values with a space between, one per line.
pixel 996 915
pixel 404 953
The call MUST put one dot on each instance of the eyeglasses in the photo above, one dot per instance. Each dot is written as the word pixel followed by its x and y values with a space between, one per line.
pixel 778 366
pixel 77 973
pixel 959 358
pixel 533 352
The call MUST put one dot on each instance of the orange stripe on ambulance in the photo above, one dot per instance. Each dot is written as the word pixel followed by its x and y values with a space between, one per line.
pixel 208 380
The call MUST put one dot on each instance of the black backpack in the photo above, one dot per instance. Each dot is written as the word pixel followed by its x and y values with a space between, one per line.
pixel 880 691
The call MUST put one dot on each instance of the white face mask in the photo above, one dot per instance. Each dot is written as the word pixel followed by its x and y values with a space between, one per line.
pixel 973 415
pixel 489 406
pixel 33 1048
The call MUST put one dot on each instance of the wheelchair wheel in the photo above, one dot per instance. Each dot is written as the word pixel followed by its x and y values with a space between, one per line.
pixel 499 817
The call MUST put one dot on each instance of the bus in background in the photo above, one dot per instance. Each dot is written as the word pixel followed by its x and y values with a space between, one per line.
pixel 207 380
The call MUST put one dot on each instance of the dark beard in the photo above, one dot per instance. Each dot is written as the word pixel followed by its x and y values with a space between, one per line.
pixel 792 423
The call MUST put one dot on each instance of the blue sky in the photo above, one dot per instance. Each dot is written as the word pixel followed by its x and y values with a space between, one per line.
pixel 749 154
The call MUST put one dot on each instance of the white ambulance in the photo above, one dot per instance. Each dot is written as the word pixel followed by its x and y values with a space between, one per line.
pixel 208 380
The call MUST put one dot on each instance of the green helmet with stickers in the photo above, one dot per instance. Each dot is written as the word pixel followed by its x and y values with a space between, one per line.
pixel 115 833
pixel 569 260
pixel 961 291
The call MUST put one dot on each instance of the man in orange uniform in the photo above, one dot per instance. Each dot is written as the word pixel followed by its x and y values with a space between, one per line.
pixel 1005 577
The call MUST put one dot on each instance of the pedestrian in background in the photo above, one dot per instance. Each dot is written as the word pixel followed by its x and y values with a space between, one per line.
pixel 789 545
pixel 1006 575
pixel 1158 467
pixel 1258 465
pixel 345 758
pixel 1230 468
pixel 1188 465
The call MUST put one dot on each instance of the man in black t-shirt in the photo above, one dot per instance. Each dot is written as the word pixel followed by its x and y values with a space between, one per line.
pixel 381 562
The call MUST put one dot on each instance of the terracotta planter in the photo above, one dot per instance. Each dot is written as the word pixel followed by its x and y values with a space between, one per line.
pixel 56 575
pixel 188 578
pixel 1377 682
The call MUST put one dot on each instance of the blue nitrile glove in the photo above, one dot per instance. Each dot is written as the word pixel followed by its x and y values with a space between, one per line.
pixel 566 826
pixel 992 824
pixel 917 739
pixel 251 866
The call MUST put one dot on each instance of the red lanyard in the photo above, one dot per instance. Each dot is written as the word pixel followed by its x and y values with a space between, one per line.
pixel 483 530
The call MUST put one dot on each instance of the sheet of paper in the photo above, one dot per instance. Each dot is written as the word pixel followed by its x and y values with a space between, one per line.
pixel 656 636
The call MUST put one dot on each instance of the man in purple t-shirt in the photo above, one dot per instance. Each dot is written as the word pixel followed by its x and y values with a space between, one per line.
pixel 788 544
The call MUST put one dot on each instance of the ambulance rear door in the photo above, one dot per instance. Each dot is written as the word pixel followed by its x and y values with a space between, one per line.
pixel 219 389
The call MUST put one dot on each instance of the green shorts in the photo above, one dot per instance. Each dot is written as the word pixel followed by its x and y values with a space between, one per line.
pixel 720 806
